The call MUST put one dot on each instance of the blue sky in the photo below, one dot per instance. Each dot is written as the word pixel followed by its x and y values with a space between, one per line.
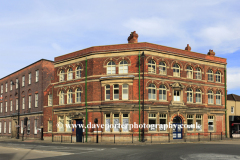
pixel 31 30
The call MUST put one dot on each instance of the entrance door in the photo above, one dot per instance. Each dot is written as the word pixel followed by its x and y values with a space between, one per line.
pixel 79 130
pixel 177 129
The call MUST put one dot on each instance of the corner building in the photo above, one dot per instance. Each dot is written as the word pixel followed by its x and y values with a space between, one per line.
pixel 178 86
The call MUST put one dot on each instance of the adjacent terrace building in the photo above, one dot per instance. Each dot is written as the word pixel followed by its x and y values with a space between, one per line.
pixel 21 95
pixel 106 82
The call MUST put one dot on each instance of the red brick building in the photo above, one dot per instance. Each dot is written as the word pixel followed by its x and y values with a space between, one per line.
pixel 30 82
pixel 179 86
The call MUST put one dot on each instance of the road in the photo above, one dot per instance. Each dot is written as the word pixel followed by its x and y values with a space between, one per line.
pixel 187 151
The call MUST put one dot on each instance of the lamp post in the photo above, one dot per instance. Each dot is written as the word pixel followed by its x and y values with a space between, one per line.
pixel 143 94
pixel 17 83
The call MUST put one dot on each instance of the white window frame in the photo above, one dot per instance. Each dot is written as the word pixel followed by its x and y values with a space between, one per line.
pixel 107 117
pixel 28 126
pixel 162 96
pixel 23 102
pixel 189 95
pixel 199 118
pixel 198 73
pixel 9 127
pixel 5 127
pixel 218 98
pixel 151 66
pixel 29 78
pixel 176 70
pixel 211 119
pixel 123 67
pixel 49 126
pixel 210 75
pixel 111 68
pixel 16 83
pixel 50 100
pixel 22 126
pixel 36 99
pixel 11 105
pixel 78 95
pixel 6 87
pixel 189 72
pixel 116 88
pixel 68 119
pixel 69 97
pixel 0 127
pixel 152 92
pixel 162 68
pixel 61 121
pixel 11 82
pixel 125 126
pixel 107 89
pixel 35 126
pixel 218 77
pixel 61 76
pixel 125 89
pixel 1 109
pixel 210 97
pixel 29 101
pixel 176 98
pixel 198 95
pixel 190 117
pixel 61 97
pixel 6 107
pixel 115 117
pixel 16 104
pixel 78 72
pixel 37 76
pixel 232 109
pixel 1 88
pixel 70 74
pixel 23 81
pixel 163 117
pixel 152 116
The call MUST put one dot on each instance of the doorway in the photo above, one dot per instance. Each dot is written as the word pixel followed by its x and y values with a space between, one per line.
pixel 79 130
pixel 177 128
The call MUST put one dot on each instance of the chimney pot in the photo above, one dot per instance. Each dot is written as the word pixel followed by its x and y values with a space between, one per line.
pixel 133 38
pixel 188 48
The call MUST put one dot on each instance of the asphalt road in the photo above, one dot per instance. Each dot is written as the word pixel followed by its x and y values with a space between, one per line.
pixel 224 150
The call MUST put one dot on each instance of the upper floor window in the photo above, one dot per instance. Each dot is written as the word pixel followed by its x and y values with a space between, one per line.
pixel 23 81
pixel 189 95
pixel 6 87
pixel 162 68
pixel 36 100
pixel 115 91
pixel 16 83
pixel 78 72
pixel 189 72
pixel 1 88
pixel 61 97
pixel 123 67
pixel 29 78
pixel 78 95
pixel 176 70
pixel 107 94
pixel 69 96
pixel 50 100
pixel 218 76
pixel 37 76
pixel 111 68
pixel 11 83
pixel 6 107
pixel 210 75
pixel 151 92
pixel 210 97
pixel 162 93
pixel 124 91
pixel 198 73
pixel 151 66
pixel 232 109
pixel 29 101
pixel 23 103
pixel 61 75
pixel 198 96
pixel 218 98
pixel 70 74
pixel 176 95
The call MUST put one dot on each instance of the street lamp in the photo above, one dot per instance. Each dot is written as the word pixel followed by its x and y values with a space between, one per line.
pixel 143 56
pixel 18 106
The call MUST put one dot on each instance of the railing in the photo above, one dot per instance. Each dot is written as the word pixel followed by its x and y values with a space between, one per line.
pixel 62 138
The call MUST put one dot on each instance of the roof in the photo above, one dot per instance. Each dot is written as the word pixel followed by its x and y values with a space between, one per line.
pixel 233 97
pixel 142 46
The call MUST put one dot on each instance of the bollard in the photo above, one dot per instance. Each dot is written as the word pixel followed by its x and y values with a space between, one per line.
pixel 198 136
pixel 210 136
pixel 114 138
pixel 132 138
pixel 221 135
pixel 151 138
pixel 169 137
pixel 61 138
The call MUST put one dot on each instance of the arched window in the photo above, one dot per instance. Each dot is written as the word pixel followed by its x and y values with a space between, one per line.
pixel 123 67
pixel 78 95
pixel 162 68
pixel 124 91
pixel 218 76
pixel 61 76
pixel 210 97
pixel 111 68
pixel 151 66
pixel 210 75
pixel 198 96
pixel 78 72
pixel 189 72
pixel 198 73
pixel 107 92
pixel 61 97
pixel 69 96
pixel 162 93
pixel 70 74
pixel 176 70
pixel 189 95
pixel 218 98
pixel 151 92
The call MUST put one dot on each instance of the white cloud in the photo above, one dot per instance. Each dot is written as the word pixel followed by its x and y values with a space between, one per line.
pixel 233 77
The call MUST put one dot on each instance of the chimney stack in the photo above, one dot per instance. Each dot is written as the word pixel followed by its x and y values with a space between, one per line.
pixel 188 48
pixel 133 38
pixel 211 53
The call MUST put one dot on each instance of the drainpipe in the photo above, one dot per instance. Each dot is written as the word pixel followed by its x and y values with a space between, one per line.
pixel 225 80
pixel 139 96
pixel 86 98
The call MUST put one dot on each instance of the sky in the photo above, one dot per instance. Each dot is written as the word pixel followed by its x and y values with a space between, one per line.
pixel 32 30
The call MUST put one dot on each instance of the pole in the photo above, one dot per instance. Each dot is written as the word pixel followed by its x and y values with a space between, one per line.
pixel 143 96
pixel 86 98
pixel 139 101
pixel 225 80
pixel 52 110
pixel 18 109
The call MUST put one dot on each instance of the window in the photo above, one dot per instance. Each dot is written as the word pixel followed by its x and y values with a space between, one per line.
pixel 28 126
pixel 152 122
pixel 107 122
pixel 0 127
pixel 152 92
pixel 210 75
pixel 151 66
pixel 111 68
pixel 210 97
pixel 123 67
pixel 36 100
pixel 69 123
pixel 189 95
pixel 107 94
pixel 6 88
pixel 29 101
pixel 29 78
pixel 125 122
pixel 5 127
pixel 35 126
pixel 16 104
pixel 49 126
pixel 232 109
pixel 176 70
pixel 218 98
pixel 61 124
pixel 162 93
pixel 37 75
pixel 124 91
pixel 199 122
pixel 1 106
pixel 11 83
pixel 61 97
pixel 190 122
pixel 78 95
pixel 218 76
pixel 78 72
pixel 50 100
pixel 11 105
pixel 22 127
pixel 115 91
pixel 61 76
pixel 69 96
pixel 1 88
pixel 16 83
pixel 163 122
pixel 176 96
pixel 198 96
pixel 10 127
pixel 6 106
pixel 116 122
pixel 198 73
pixel 23 81
pixel 70 74
pixel 189 72
pixel 23 103
pixel 210 123
pixel 162 68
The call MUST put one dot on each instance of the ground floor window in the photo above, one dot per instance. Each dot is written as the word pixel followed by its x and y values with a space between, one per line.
pixel 210 123
pixel 190 122
pixel 107 122
pixel 10 127
pixel 21 127
pixel 69 124
pixel 199 122
pixel 60 123
pixel 35 126
pixel 49 126
pixel 0 127
pixel 125 122
pixel 152 122
pixel 28 127
pixel 116 122
pixel 163 122
pixel 5 127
